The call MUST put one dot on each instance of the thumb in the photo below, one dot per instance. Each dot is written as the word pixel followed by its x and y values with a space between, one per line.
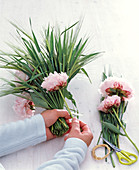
pixel 75 124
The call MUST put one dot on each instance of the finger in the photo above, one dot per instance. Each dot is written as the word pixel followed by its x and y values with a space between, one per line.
pixel 75 124
pixel 49 134
pixel 53 136
pixel 68 121
pixel 84 126
pixel 63 113
pixel 70 126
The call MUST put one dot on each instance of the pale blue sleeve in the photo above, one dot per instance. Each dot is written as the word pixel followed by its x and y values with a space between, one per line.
pixel 21 134
pixel 69 158
pixel 1 167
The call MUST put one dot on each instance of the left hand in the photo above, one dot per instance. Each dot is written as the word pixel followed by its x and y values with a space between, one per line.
pixel 50 117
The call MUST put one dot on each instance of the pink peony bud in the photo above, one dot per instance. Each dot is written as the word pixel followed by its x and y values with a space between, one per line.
pixel 109 102
pixel 118 86
pixel 55 81
pixel 24 107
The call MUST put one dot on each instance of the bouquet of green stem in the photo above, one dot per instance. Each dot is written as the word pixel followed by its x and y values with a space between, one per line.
pixel 115 95
pixel 43 71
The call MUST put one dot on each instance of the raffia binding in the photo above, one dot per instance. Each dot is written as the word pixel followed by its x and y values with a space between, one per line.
pixel 99 146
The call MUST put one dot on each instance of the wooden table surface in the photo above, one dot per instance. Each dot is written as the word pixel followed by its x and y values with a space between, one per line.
pixel 113 27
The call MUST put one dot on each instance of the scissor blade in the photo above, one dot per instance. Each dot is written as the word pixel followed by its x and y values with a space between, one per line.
pixel 112 146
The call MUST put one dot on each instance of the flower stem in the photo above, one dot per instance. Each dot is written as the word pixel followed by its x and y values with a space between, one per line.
pixel 113 164
pixel 125 130
pixel 99 137
pixel 66 103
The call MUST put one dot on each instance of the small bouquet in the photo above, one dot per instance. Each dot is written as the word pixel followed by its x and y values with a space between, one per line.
pixel 116 93
pixel 44 70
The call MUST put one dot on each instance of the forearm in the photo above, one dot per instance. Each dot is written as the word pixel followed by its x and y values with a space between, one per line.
pixel 21 134
pixel 69 158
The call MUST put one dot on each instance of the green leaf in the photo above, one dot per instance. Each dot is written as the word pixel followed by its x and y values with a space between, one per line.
pixel 112 128
pixel 38 101
pixel 9 91
pixel 112 90
pixel 104 76
pixel 70 27
pixel 80 50
pixel 73 74
pixel 110 72
pixel 52 49
pixel 69 96
pixel 70 54
pixel 87 58
pixel 74 52
pixel 125 107
pixel 21 30
pixel 36 42
pixel 8 82
pixel 84 71
pixel 34 77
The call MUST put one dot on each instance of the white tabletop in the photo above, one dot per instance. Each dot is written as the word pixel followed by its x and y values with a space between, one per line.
pixel 113 27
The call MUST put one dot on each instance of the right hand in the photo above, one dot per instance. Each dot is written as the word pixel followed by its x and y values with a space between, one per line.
pixel 75 132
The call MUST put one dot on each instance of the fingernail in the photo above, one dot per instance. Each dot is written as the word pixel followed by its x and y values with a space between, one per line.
pixel 75 119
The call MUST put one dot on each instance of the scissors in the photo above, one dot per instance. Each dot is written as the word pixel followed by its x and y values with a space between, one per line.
pixel 123 156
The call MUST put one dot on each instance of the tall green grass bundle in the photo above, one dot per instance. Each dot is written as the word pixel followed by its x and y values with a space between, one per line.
pixel 60 52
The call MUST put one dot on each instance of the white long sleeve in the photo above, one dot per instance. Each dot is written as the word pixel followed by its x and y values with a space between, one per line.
pixel 69 158
pixel 18 135
pixel 1 167
pixel 21 134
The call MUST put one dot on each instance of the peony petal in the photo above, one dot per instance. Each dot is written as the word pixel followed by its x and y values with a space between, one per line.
pixel 55 81
pixel 109 102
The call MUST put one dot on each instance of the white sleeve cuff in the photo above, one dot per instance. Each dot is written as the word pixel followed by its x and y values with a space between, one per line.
pixel 76 142
pixel 40 127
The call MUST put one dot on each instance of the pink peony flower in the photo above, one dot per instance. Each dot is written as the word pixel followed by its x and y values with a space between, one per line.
pixel 55 81
pixel 116 86
pixel 21 75
pixel 23 107
pixel 109 102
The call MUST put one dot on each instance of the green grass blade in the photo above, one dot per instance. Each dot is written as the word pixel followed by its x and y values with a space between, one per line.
pixel 85 72
pixel 19 29
pixel 70 27
pixel 36 42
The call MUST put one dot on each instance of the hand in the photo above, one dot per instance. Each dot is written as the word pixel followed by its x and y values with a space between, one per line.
pixel 75 132
pixel 50 117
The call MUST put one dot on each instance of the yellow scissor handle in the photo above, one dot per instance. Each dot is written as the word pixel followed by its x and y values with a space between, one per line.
pixel 125 156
